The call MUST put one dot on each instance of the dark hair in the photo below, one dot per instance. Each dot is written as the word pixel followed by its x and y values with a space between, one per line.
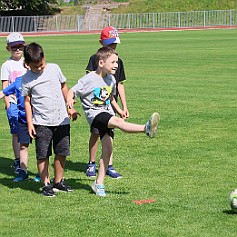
pixel 33 53
pixel 104 53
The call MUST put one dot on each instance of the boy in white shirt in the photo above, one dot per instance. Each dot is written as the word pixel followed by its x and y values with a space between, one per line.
pixel 11 69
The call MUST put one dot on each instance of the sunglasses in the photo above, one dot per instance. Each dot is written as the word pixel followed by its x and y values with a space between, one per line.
pixel 15 48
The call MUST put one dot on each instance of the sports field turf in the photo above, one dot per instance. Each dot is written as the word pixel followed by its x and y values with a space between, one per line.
pixel 189 77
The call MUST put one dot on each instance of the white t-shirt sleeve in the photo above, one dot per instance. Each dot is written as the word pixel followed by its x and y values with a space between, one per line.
pixel 5 72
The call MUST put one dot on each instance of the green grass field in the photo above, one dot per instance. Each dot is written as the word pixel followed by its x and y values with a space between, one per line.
pixel 189 77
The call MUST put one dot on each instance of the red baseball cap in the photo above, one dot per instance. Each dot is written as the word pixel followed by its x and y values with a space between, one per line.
pixel 109 35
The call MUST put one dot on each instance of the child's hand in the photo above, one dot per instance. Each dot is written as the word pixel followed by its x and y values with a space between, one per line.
pixel 70 103
pixel 72 113
pixel 31 130
pixel 125 110
pixel 70 100
pixel 122 114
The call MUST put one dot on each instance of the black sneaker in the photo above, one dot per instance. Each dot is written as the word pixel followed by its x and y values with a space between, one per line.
pixel 61 186
pixel 21 176
pixel 48 191
pixel 16 165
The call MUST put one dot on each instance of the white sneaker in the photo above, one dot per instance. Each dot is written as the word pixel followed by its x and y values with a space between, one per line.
pixel 152 124
pixel 98 189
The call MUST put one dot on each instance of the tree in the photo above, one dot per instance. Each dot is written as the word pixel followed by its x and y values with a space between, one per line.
pixel 28 7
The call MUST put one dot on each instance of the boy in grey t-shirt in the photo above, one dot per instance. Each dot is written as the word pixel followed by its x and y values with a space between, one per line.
pixel 44 87
pixel 109 37
pixel 96 91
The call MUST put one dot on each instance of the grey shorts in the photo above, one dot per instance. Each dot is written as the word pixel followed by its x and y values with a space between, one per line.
pixel 100 122
pixel 48 136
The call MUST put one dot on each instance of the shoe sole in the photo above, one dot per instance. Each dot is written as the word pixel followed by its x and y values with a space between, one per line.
pixel 119 177
pixel 91 176
pixel 95 190
pixel 48 196
pixel 56 190
pixel 17 181
pixel 155 119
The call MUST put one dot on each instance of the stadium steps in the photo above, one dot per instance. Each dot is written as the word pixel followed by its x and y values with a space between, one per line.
pixel 96 15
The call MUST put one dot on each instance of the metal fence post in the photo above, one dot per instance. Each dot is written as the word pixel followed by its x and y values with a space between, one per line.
pixel 35 26
pixel 129 21
pixel 179 23
pixel 153 20
pixel 78 23
pixel 204 18
pixel 56 22
pixel 89 23
pixel 13 25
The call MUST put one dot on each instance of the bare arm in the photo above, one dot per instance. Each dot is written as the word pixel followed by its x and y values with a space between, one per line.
pixel 117 108
pixel 2 95
pixel 70 99
pixel 28 109
pixel 64 90
pixel 122 96
pixel 72 113
pixel 6 98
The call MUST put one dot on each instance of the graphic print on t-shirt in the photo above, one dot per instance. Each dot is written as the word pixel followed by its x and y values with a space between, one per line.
pixel 14 75
pixel 102 96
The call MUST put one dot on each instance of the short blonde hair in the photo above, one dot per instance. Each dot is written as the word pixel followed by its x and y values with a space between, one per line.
pixel 104 53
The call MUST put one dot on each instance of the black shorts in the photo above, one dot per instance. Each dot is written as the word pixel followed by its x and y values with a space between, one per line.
pixel 46 136
pixel 101 123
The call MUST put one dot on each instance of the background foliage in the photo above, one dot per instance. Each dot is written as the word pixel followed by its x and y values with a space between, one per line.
pixel 28 8
pixel 48 7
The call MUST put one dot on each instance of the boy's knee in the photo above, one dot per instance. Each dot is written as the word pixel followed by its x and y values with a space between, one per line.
pixel 107 144
pixel 94 136
pixel 114 121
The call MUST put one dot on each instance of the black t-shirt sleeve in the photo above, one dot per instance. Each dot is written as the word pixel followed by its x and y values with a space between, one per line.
pixel 120 74
pixel 91 66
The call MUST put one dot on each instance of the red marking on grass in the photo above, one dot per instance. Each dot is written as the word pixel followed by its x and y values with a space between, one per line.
pixel 140 202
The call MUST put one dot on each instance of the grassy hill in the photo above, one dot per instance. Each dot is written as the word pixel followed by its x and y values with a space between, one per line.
pixel 136 6
pixel 174 6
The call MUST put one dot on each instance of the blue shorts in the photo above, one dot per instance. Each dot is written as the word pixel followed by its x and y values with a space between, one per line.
pixel 101 123
pixel 23 134
pixel 12 115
